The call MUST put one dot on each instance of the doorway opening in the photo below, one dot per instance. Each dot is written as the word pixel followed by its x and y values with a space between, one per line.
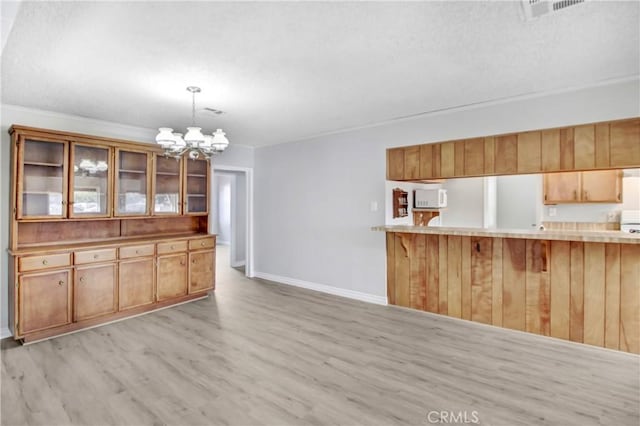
pixel 232 211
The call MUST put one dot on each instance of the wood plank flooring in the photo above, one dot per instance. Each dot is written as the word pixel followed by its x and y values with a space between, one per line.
pixel 258 353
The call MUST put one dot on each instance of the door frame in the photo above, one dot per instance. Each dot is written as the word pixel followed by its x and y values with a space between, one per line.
pixel 248 171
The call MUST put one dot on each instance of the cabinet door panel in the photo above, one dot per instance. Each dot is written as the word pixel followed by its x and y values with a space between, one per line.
pixel 94 291
pixel 459 158
pixel 529 152
pixel 567 146
pixel 489 155
pixel 426 161
pixel 42 186
pixel 44 301
pixel 506 152
pixel 412 162
pixel 171 277
pixel 584 147
pixel 602 186
pixel 135 284
pixel 167 188
pixel 447 159
pixel 90 190
pixel 395 164
pixel 474 157
pixel 550 151
pixel 132 183
pixel 602 145
pixel 201 271
pixel 625 143
pixel 562 187
pixel 196 186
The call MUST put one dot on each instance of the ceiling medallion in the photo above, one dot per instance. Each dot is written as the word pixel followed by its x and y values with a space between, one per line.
pixel 194 144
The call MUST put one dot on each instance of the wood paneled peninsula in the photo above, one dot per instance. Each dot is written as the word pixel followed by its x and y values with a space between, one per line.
pixel 582 286
pixel 102 229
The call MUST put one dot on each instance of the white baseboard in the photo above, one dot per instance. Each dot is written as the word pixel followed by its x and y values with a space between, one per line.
pixel 238 264
pixel 364 297
pixel 5 332
pixel 222 242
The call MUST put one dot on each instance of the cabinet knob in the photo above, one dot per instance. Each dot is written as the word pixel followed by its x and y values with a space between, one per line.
pixel 182 263
pixel 173 247
pixel 60 283
pixel 44 262
pixel 202 243
pixel 193 261
pixel 137 251
pixel 95 256
pixel 81 279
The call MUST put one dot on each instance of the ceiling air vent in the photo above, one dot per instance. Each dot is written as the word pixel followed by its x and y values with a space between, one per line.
pixel 208 110
pixel 536 8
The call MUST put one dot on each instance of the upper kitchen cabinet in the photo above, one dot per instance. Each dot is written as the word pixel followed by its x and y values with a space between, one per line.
pixel 196 186
pixel 90 184
pixel 41 191
pixel 597 186
pixel 167 194
pixel 412 163
pixel 602 186
pixel 132 183
pixel 597 146
pixel 395 164
pixel 625 143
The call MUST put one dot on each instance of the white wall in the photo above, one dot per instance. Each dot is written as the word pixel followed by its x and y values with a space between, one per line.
pixel 519 201
pixel 465 205
pixel 234 156
pixel 313 197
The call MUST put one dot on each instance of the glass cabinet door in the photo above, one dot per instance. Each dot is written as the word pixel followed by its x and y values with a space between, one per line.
pixel 132 183
pixel 167 198
pixel 42 190
pixel 90 188
pixel 197 181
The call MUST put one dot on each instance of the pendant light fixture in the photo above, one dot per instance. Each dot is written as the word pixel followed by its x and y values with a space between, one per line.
pixel 194 144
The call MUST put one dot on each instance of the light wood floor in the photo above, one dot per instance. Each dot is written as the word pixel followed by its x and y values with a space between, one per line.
pixel 260 353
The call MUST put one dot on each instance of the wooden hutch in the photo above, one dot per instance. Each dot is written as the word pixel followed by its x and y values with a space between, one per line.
pixel 102 229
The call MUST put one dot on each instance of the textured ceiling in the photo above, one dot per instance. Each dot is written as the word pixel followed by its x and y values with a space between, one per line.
pixel 287 71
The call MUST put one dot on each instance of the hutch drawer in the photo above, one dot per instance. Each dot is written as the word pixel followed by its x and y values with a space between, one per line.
pixel 172 247
pixel 93 256
pixel 202 243
pixel 136 251
pixel 34 263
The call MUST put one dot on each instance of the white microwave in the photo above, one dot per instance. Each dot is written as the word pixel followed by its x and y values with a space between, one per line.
pixel 429 198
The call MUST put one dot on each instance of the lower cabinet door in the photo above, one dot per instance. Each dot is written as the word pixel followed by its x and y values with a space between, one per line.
pixel 172 276
pixel 44 300
pixel 95 291
pixel 201 271
pixel 135 283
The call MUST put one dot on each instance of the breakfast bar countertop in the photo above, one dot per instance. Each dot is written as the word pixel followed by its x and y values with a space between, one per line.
pixel 562 235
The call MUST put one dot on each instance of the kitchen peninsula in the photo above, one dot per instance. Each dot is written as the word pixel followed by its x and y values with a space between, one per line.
pixel 582 286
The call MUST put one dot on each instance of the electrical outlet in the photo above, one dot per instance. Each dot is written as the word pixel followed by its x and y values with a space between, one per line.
pixel 553 211
pixel 374 206
pixel 612 217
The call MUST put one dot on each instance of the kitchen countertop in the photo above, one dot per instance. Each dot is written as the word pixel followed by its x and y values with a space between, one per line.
pixel 563 235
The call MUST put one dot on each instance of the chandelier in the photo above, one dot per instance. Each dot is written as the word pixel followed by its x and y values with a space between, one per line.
pixel 194 144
